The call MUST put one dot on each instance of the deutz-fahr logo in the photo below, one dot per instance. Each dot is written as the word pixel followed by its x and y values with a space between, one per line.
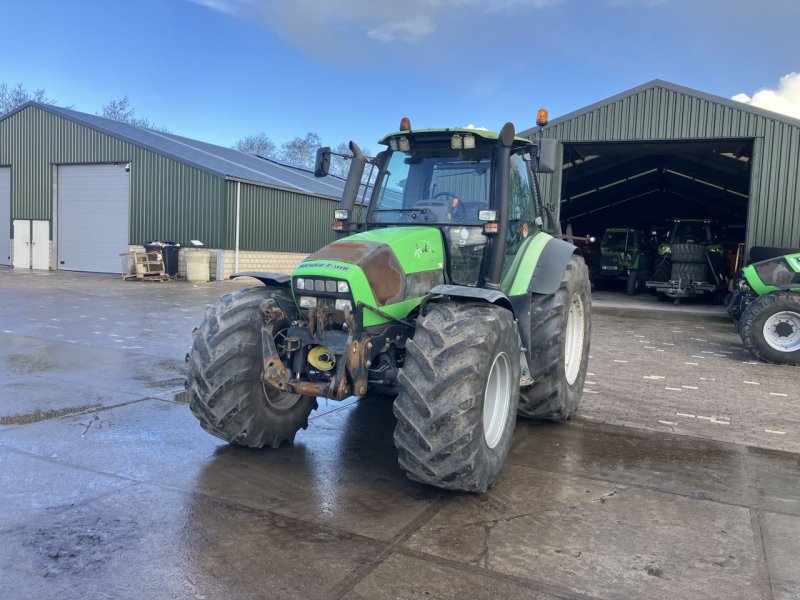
pixel 318 265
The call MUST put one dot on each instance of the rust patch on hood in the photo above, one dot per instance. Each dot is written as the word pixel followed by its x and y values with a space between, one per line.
pixel 385 275
pixel 379 263
pixel 346 251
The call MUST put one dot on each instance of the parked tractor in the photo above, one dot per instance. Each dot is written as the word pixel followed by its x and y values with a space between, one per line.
pixel 624 256
pixel 765 306
pixel 694 259
pixel 447 289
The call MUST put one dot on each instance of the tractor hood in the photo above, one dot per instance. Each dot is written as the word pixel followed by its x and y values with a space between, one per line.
pixel 382 266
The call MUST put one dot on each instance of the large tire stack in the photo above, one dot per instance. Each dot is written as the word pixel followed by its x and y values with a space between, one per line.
pixel 689 263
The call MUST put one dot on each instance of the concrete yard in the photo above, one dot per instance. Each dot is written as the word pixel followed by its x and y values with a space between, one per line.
pixel 680 478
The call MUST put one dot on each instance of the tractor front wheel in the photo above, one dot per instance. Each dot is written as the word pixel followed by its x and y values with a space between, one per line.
pixel 770 328
pixel 224 375
pixel 560 329
pixel 459 387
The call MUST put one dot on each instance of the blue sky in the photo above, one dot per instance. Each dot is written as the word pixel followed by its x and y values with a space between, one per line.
pixel 218 70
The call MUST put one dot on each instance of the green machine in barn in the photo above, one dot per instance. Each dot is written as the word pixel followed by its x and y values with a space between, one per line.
pixel 448 289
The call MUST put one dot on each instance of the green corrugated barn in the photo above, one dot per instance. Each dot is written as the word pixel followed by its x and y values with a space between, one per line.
pixel 662 151
pixel 76 190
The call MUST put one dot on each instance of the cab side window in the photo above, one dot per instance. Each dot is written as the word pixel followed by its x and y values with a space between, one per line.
pixel 520 208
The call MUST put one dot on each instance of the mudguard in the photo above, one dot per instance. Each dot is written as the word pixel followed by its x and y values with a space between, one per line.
pixel 550 267
pixel 268 279
pixel 465 292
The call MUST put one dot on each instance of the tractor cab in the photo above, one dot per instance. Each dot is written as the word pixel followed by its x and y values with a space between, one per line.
pixel 478 188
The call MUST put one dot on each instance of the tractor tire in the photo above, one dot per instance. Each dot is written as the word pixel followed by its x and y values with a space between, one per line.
pixel 560 330
pixel 459 387
pixel 634 283
pixel 688 253
pixel 687 271
pixel 224 376
pixel 770 328
pixel 663 270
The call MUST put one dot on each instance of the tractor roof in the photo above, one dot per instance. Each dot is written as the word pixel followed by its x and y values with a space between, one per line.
pixel 433 134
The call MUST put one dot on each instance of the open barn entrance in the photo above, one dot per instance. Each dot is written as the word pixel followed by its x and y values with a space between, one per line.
pixel 643 185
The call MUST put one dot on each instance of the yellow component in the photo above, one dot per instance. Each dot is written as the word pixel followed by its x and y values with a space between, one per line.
pixel 321 358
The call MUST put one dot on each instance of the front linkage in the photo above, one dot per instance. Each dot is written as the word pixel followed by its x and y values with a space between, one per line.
pixel 368 352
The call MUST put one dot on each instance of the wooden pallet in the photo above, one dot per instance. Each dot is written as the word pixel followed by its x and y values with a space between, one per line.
pixel 143 266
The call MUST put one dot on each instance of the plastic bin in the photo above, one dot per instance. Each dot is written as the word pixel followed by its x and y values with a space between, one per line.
pixel 197 268
pixel 169 254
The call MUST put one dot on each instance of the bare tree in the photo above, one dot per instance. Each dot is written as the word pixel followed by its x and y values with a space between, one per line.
pixel 121 110
pixel 12 97
pixel 340 165
pixel 258 144
pixel 301 151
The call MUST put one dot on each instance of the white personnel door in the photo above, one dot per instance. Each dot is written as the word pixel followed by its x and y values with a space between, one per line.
pixel 22 244
pixel 40 245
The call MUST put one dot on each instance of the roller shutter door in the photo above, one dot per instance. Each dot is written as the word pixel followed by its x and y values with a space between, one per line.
pixel 5 216
pixel 92 217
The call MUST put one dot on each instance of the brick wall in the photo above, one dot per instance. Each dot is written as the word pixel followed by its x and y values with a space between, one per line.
pixel 224 261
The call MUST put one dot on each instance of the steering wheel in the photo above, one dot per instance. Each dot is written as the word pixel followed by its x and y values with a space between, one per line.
pixel 455 210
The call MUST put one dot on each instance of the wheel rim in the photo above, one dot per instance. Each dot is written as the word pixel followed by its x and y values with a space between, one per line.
pixel 279 400
pixel 496 400
pixel 782 331
pixel 573 339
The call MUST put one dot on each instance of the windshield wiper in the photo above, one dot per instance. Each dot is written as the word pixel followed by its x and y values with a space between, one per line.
pixel 422 210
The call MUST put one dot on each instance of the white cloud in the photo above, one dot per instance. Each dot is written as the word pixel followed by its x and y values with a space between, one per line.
pixel 785 99
pixel 406 30
pixel 471 126
pixel 230 7
pixel 409 21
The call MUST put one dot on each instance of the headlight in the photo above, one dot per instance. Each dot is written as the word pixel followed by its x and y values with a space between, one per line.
pixel 308 302
pixel 342 287
pixel 342 304
pixel 300 283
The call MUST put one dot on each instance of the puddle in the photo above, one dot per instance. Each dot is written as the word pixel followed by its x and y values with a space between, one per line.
pixel 43 415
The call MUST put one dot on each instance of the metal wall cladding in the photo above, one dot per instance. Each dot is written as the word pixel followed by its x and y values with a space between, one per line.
pixel 660 113
pixel 278 220
pixel 169 200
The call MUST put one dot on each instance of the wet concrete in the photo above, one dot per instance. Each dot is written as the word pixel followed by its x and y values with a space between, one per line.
pixel 133 500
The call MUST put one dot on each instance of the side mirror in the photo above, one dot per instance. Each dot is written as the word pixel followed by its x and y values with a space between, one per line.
pixel 548 153
pixel 322 165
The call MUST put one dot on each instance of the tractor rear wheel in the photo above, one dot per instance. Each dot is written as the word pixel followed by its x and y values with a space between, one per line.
pixel 634 283
pixel 560 329
pixel 770 328
pixel 457 405
pixel 224 375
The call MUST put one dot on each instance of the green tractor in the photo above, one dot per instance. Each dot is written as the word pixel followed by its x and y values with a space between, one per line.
pixel 449 290
pixel 624 256
pixel 692 263
pixel 765 306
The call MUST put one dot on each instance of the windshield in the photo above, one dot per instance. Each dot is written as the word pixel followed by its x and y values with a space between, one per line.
pixel 434 185
pixel 690 232
pixel 616 241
